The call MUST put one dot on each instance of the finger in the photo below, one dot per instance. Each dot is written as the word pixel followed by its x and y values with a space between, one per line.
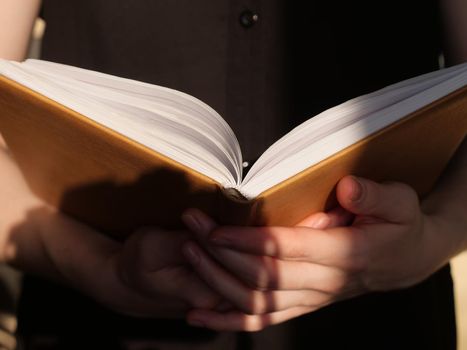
pixel 128 300
pixel 238 321
pixel 246 299
pixel 182 283
pixel 331 247
pixel 393 202
pixel 156 272
pixel 338 247
pixel 199 223
pixel 253 240
pixel 176 283
pixel 266 273
pixel 248 239
pixel 333 218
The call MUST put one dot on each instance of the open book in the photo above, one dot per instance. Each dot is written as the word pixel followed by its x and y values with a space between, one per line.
pixel 119 153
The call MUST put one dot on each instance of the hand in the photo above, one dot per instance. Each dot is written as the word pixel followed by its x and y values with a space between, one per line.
pixel 144 276
pixel 148 276
pixel 272 274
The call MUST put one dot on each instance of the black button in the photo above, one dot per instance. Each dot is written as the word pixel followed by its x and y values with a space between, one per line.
pixel 248 18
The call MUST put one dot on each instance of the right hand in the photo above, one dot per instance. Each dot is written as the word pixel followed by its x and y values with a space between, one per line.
pixel 144 276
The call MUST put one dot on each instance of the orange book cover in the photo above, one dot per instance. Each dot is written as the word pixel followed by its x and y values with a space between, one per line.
pixel 117 185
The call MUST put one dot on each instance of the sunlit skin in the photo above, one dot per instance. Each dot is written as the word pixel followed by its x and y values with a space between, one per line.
pixel 271 274
pixel 267 275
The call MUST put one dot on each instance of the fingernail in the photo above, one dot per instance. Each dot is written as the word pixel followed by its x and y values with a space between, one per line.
pixel 196 322
pixel 197 222
pixel 191 253
pixel 191 222
pixel 357 190
pixel 321 222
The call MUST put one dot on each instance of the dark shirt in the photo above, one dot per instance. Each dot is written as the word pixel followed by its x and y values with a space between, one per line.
pixel 265 66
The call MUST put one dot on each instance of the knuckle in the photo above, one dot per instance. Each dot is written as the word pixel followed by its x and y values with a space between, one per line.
pixel 255 324
pixel 144 247
pixel 315 300
pixel 295 250
pixel 257 304
pixel 405 191
pixel 336 284
pixel 253 278
pixel 354 254
pixel 359 243
pixel 409 202
pixel 248 308
pixel 264 276
pixel 271 279
pixel 251 308
pixel 400 186
pixel 358 263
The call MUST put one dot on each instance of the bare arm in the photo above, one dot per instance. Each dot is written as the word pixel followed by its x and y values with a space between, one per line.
pixel 448 204
pixel 144 276
pixel 16 22
pixel 448 200
pixel 455 28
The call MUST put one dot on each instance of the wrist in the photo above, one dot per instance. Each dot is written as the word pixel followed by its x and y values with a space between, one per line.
pixel 445 238
pixel 17 225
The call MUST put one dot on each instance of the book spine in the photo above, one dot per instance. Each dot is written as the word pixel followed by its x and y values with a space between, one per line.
pixel 235 209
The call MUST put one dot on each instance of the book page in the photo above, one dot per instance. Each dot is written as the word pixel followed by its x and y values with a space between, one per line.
pixel 170 122
pixel 342 126
pixel 188 131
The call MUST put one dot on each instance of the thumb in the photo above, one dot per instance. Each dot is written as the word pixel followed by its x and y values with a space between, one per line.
pixel 394 202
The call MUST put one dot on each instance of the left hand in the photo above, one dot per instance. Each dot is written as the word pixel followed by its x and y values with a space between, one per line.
pixel 144 276
pixel 272 274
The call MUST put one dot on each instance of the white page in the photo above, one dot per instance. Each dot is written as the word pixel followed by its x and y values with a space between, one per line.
pixel 159 116
pixel 356 119
pixel 190 132
pixel 170 122
pixel 346 113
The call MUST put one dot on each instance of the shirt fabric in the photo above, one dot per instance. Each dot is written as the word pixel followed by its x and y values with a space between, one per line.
pixel 265 66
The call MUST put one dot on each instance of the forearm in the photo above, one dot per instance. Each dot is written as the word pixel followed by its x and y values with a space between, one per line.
pixel 53 245
pixel 16 22
pixel 447 203
pixel 36 238
pixel 455 30
pixel 15 200
pixel 144 276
